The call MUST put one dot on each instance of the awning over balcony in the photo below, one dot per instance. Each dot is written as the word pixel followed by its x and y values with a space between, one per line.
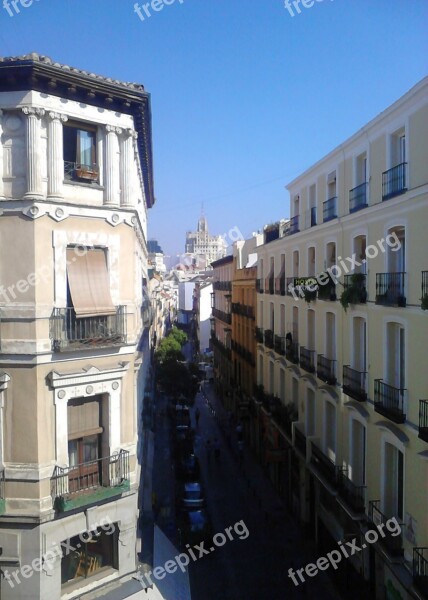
pixel 89 283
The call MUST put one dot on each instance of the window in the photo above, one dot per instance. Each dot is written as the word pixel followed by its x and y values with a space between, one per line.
pixel 310 413
pixel 330 431
pixel 80 158
pixel 357 468
pixel 393 482
pixel 92 553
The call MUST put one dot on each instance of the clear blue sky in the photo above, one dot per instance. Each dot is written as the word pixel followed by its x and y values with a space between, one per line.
pixel 244 96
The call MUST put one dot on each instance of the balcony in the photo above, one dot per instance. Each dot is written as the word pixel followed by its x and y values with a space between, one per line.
pixel 259 335
pixel 271 233
pixel 307 359
pixel 270 285
pixel 68 333
pixel 90 482
pixel 329 209
pixel 294 225
pixel 326 369
pixel 222 286
pixel 423 420
pixel 224 350
pixel 259 286
pixel 280 285
pixel 243 310
pixel 354 384
pixel 243 352
pixel 326 287
pixel 424 298
pixel 390 289
pixel 279 345
pixel 389 401
pixel 353 495
pixel 292 352
pixel 392 544
pixel 78 172
pixel 269 343
pixel 355 289
pixel 325 467
pixel 223 316
pixel 420 570
pixel 283 415
pixel 300 440
pixel 394 181
pixel 358 198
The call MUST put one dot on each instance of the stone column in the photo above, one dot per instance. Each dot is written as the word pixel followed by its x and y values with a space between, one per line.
pixel 126 168
pixel 112 167
pixel 2 196
pixel 55 155
pixel 34 172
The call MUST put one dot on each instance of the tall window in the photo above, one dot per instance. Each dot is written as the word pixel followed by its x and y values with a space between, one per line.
pixel 310 413
pixel 357 467
pixel 393 482
pixel 330 431
pixel 395 355
pixel 80 151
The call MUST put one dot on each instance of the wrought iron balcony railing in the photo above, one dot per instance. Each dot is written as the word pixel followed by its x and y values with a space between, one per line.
pixel 329 209
pixel 280 345
pixel 289 282
pixel 294 225
pixel 259 335
pixel 307 359
pixel 393 544
pixel 222 348
pixel 420 570
pixel 80 172
pixel 109 472
pixel 245 354
pixel 394 181
pixel 390 289
pixel 326 287
pixel 259 286
pixel 222 286
pixel 69 333
pixel 326 369
pixel 243 310
pixel 222 315
pixel 423 420
pixel 270 285
pixel 353 495
pixel 280 285
pixel 292 352
pixel 358 197
pixel 389 401
pixel 354 383
pixel 325 466
pixel 269 342
pixel 300 440
pixel 355 287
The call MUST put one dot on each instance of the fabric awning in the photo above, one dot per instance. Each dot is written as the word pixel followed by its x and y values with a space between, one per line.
pixel 89 283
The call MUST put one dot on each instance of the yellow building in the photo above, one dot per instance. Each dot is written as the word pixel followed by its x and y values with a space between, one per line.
pixel 342 289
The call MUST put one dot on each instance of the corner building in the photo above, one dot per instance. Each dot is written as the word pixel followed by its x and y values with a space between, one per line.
pixel 345 362
pixel 75 187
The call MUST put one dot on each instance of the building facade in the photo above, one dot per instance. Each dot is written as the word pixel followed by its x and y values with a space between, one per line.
pixel 342 299
pixel 75 186
pixel 203 247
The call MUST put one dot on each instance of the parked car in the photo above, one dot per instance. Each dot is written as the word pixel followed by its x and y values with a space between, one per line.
pixel 187 467
pixel 194 527
pixel 190 496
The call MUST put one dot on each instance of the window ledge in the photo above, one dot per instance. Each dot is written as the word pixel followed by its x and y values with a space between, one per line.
pixel 93 185
pixel 105 575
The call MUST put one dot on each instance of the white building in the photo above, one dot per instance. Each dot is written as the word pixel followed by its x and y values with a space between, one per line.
pixel 203 247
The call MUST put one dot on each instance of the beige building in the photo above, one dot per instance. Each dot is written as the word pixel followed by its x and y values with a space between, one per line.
pixel 341 331
pixel 75 186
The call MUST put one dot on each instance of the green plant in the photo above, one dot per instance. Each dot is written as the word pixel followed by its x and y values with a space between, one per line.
pixel 424 302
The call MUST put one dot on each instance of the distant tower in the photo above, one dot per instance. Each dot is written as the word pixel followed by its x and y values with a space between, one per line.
pixel 203 246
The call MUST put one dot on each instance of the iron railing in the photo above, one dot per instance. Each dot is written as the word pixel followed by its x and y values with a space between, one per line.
pixel 222 315
pixel 307 359
pixel 222 286
pixel 270 285
pixel 325 466
pixel 420 570
pixel 353 495
pixel 356 287
pixel 355 383
pixel 390 289
pixel 110 471
pixel 326 369
pixel 280 285
pixel 394 181
pixel 269 342
pixel 326 287
pixel 79 171
pixel 392 544
pixel 271 233
pixel 300 441
pixel 423 420
pixel 358 197
pixel 259 335
pixel 294 225
pixel 68 332
pixel 243 310
pixel 292 352
pixel 247 355
pixel 329 209
pixel 222 348
pixel 289 282
pixel 279 343
pixel 389 401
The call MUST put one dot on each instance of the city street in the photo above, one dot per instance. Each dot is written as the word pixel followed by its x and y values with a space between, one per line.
pixel 242 569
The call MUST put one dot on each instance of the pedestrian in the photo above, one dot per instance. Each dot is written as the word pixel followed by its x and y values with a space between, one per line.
pixel 197 417
pixel 216 449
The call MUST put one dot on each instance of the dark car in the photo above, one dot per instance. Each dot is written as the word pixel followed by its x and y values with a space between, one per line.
pixel 194 527
pixel 190 496
pixel 187 466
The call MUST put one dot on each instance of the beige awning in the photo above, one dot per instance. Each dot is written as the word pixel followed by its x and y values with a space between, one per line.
pixel 89 283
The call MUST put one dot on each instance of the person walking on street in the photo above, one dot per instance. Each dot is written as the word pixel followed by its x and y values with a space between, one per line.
pixel 197 417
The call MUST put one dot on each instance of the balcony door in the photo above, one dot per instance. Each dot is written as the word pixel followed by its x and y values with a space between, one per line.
pixel 359 362
pixel 397 252
pixel 392 501
pixel 357 471
pixel 395 356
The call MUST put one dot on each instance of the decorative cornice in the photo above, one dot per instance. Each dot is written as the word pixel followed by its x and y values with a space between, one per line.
pixel 54 116
pixel 36 112
pixel 113 129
